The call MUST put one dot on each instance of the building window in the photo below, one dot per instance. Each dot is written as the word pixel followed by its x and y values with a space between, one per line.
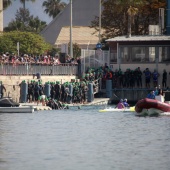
pixel 113 56
pixel 164 54
pixel 138 54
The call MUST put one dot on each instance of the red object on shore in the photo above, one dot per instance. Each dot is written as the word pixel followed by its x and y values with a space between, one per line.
pixel 151 103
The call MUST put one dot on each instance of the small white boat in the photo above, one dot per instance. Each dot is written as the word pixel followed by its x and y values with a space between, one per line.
pixel 110 109
pixel 20 109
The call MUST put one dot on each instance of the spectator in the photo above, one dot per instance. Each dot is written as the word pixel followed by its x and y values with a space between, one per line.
pixel 139 77
pixel 151 95
pixel 2 90
pixel 156 91
pixel 155 76
pixel 164 78
pixel 147 77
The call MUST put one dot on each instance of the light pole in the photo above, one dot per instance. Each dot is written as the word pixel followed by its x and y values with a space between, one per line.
pixel 100 11
pixel 71 25
pixel 1 16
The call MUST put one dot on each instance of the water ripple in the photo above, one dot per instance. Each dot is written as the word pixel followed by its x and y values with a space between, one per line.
pixel 83 140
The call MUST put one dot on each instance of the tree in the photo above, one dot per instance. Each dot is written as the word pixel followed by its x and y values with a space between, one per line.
pixel 36 25
pixel 30 43
pixel 6 3
pixel 25 22
pixel 53 7
pixel 131 11
pixel 24 1
pixel 76 50
pixel 115 17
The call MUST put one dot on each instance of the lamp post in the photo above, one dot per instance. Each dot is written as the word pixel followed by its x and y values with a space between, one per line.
pixel 100 20
pixel 1 16
pixel 71 25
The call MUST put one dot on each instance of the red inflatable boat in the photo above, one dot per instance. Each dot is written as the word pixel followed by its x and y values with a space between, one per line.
pixel 151 107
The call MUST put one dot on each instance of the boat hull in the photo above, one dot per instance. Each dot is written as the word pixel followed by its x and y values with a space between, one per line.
pixel 151 107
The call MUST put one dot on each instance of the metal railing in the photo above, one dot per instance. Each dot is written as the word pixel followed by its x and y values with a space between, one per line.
pixel 30 69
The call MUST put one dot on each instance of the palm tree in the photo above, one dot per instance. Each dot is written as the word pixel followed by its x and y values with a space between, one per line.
pixel 53 7
pixel 132 10
pixel 36 25
pixel 24 1
pixel 6 3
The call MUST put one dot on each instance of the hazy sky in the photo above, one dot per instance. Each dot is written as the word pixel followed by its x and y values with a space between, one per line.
pixel 35 9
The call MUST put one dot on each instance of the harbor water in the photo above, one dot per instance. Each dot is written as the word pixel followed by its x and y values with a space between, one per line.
pixel 84 139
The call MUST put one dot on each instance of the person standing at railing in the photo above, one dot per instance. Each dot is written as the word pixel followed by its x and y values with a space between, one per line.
pixel 164 78
pixel 56 60
pixel 155 76
pixel 147 77
pixel 138 75
pixel 79 66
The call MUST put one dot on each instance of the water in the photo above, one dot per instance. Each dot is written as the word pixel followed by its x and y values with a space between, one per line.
pixel 84 140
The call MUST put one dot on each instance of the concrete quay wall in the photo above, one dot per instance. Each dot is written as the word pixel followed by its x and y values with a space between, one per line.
pixel 11 83
pixel 133 95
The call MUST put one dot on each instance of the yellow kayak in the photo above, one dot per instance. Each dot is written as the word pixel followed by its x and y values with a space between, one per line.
pixel 130 109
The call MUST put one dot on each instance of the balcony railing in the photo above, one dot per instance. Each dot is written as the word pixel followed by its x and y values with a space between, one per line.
pixel 30 69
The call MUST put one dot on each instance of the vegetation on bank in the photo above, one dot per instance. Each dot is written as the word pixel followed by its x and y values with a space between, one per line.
pixel 29 43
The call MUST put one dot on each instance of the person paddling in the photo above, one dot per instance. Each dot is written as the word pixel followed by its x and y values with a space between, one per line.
pixel 120 105
pixel 125 103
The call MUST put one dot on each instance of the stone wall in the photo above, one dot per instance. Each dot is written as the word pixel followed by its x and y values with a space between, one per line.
pixel 11 83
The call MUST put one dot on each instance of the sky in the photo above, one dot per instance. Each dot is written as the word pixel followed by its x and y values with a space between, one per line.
pixel 35 8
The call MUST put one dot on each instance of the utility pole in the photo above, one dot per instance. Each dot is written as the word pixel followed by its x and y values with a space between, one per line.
pixel 1 16
pixel 71 25
pixel 100 11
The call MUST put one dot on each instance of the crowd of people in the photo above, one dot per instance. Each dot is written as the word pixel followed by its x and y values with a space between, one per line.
pixel 133 78
pixel 157 94
pixel 14 59
pixel 120 79
pixel 62 93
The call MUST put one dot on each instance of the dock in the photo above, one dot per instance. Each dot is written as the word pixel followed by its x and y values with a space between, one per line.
pixel 36 107
pixel 96 101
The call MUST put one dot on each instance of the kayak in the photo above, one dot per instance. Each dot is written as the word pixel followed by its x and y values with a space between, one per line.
pixel 110 109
